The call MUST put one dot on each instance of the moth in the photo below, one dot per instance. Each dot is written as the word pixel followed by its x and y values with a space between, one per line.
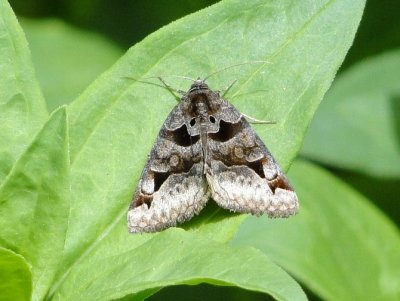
pixel 206 147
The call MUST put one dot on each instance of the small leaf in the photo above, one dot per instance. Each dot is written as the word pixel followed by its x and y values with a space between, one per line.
pixel 15 277
pixel 34 205
pixel 22 108
pixel 357 126
pixel 339 245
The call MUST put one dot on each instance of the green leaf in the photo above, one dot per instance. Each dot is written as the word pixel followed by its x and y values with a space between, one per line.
pixel 339 245
pixel 115 121
pixel 357 126
pixel 65 70
pixel 169 258
pixel 34 205
pixel 15 277
pixel 22 108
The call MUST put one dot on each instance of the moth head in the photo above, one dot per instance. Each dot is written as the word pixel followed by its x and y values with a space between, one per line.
pixel 197 85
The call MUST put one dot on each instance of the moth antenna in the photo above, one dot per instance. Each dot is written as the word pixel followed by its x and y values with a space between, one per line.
pixel 236 65
pixel 142 81
pixel 258 121
pixel 164 85
pixel 166 76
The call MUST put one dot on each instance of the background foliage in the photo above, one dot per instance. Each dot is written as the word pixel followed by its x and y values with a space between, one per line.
pixel 66 177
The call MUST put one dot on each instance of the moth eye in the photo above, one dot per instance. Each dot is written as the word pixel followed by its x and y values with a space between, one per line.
pixel 192 122
pixel 212 119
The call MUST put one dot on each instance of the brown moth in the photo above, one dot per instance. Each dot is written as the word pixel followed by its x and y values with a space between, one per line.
pixel 207 147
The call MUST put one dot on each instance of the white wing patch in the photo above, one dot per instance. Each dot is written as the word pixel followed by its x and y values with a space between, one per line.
pixel 179 198
pixel 240 189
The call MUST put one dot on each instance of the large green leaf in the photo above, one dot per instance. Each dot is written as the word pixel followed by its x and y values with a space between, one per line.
pixel 115 121
pixel 169 258
pixel 15 277
pixel 357 126
pixel 64 70
pixel 339 245
pixel 34 205
pixel 22 108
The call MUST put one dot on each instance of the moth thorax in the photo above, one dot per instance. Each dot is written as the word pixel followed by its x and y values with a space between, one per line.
pixel 200 105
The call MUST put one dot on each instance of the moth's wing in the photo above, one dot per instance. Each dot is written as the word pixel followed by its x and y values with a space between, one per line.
pixel 172 187
pixel 242 174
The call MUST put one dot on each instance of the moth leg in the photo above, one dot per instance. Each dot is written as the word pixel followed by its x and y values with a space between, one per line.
pixel 258 121
pixel 229 87
pixel 172 90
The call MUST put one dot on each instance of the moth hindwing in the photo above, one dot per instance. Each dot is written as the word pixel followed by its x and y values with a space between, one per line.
pixel 206 147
